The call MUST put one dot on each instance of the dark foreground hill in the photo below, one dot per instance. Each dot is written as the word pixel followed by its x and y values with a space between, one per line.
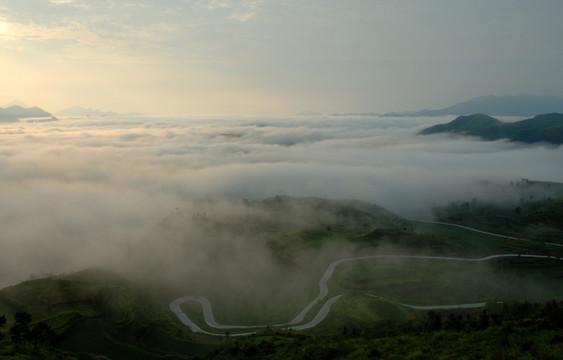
pixel 541 128
pixel 96 314
pixel 89 314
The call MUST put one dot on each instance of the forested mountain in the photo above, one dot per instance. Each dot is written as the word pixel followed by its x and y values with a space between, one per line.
pixel 541 128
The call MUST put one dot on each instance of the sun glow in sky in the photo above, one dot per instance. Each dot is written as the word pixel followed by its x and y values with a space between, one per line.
pixel 4 29
pixel 265 56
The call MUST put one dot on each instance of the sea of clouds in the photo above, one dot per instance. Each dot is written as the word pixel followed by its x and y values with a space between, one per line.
pixel 80 192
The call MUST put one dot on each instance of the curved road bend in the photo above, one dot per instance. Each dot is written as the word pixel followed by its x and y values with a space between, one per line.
pixel 323 291
pixel 468 228
pixel 480 231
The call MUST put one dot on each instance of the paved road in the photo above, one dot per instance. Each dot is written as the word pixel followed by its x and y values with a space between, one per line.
pixel 469 228
pixel 323 292
pixel 480 231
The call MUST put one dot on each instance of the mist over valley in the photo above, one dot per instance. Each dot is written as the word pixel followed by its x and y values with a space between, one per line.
pixel 249 215
pixel 251 179
pixel 77 191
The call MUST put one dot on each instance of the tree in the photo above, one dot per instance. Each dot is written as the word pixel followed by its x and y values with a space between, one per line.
pixel 19 332
pixel 453 322
pixel 21 317
pixel 484 320
pixel 2 324
pixel 41 334
pixel 434 320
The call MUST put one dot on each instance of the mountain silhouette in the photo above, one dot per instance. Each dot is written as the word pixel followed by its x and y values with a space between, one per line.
pixel 541 128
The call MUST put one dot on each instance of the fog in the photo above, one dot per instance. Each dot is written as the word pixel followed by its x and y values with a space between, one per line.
pixel 82 192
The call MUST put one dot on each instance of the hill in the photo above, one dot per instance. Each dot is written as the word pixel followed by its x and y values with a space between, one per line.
pixel 92 313
pixel 16 102
pixel 541 128
pixel 16 112
pixel 99 314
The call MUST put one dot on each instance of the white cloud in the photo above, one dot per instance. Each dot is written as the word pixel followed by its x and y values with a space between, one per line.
pixel 242 10
pixel 214 4
pixel 243 17
pixel 93 191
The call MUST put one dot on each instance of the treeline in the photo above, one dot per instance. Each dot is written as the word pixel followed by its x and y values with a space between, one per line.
pixel 23 337
pixel 511 331
pixel 548 211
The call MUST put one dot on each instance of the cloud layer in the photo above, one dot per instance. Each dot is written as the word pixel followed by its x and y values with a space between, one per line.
pixel 92 191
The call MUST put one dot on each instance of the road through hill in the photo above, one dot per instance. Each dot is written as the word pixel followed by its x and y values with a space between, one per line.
pixel 175 306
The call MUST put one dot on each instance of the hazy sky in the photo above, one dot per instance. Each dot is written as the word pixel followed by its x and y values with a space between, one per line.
pixel 283 56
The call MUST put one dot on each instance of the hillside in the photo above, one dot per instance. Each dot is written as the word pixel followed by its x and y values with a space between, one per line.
pixel 95 312
pixel 382 299
pixel 541 128
pixel 16 112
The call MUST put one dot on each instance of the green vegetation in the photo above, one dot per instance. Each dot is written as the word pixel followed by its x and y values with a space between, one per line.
pixel 443 282
pixel 537 220
pixel 506 331
pixel 541 128
pixel 92 313
pixel 97 314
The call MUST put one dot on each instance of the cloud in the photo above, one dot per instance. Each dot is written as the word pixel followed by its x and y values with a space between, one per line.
pixel 241 11
pixel 91 191
pixel 57 2
pixel 243 17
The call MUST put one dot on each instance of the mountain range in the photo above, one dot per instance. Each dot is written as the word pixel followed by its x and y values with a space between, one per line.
pixel 16 110
pixel 541 128
pixel 80 111
pixel 508 105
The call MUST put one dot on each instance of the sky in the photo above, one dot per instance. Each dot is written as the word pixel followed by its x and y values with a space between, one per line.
pixel 189 57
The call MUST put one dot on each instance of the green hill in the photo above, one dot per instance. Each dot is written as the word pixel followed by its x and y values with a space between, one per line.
pixel 98 314
pixel 541 128
pixel 95 313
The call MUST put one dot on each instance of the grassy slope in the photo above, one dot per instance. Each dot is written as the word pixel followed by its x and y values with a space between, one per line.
pixel 96 312
pixel 536 220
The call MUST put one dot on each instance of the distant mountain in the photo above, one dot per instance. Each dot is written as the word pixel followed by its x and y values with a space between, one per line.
pixel 309 113
pixel 80 111
pixel 16 102
pixel 541 128
pixel 520 105
pixel 16 112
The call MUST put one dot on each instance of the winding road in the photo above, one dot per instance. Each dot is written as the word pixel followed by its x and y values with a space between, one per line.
pixel 470 229
pixel 323 292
